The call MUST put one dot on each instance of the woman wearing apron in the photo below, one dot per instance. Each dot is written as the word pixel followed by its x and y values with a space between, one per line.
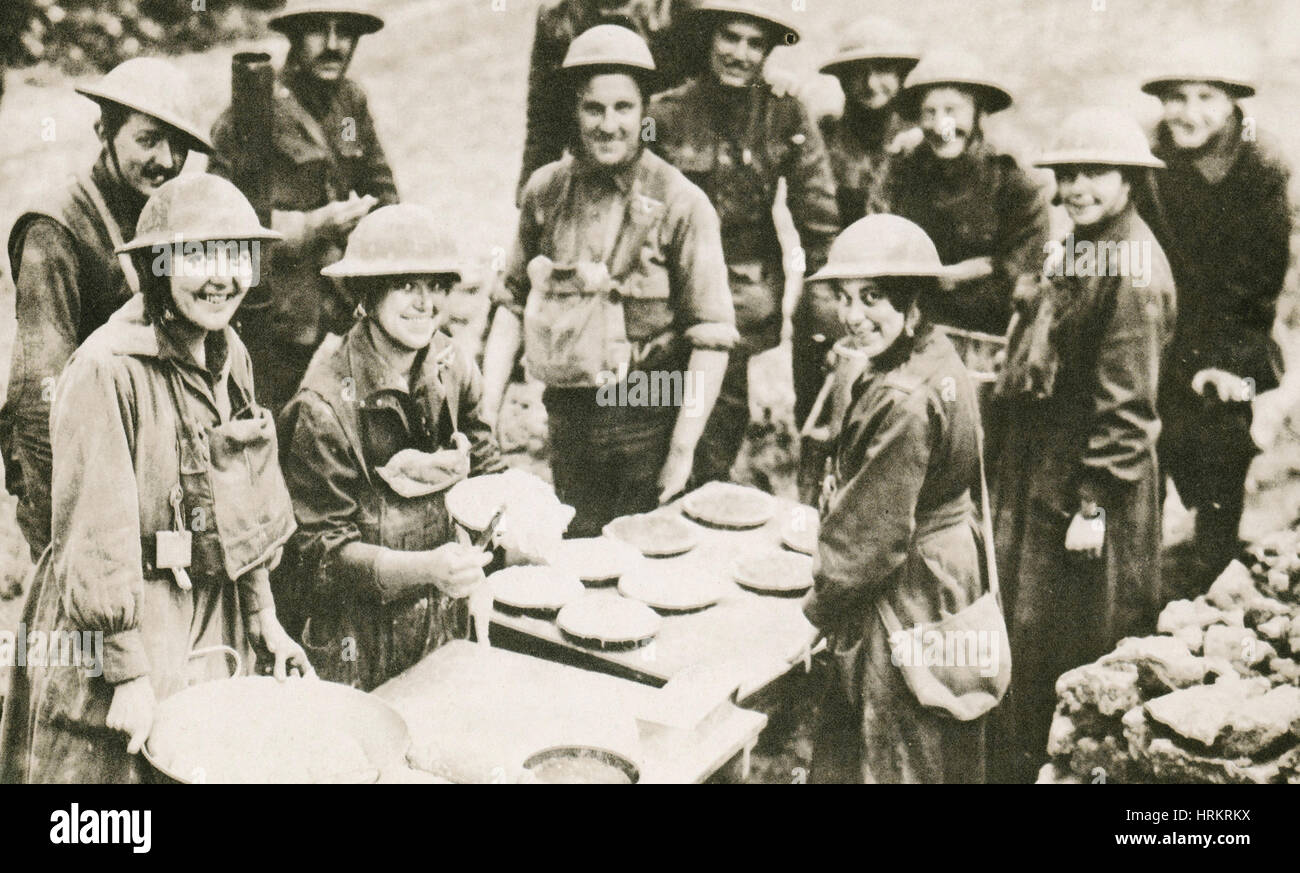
pixel 169 506
pixel 897 529
pixel 378 432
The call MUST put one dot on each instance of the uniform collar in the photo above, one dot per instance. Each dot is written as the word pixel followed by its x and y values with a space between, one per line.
pixel 621 179
pixel 124 202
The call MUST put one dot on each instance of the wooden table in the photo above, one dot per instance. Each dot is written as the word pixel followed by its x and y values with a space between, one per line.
pixel 758 637
pixel 477 713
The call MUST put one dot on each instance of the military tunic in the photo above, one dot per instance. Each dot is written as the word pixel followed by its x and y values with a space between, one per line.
pixel 352 414
pixel 899 525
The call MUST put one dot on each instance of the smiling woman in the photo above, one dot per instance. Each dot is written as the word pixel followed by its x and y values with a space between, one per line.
pixel 166 520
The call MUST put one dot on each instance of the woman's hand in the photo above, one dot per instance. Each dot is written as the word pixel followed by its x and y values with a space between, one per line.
pixel 132 711
pixel 457 569
pixel 267 634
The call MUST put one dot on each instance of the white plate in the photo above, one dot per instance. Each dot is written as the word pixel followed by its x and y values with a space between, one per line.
pixel 607 618
pixel 726 504
pixel 776 571
pixel 472 502
pixel 673 589
pixel 536 588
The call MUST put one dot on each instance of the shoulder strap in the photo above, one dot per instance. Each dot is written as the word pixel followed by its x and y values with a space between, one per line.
pixel 986 517
pixel 114 232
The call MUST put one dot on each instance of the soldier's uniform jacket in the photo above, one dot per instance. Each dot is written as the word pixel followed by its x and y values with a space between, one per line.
pixel 320 156
pixel 736 145
pixel 856 145
pixel 1228 240
pixel 675 282
pixel 981 204
pixel 68 282
pixel 350 417
pixel 550 126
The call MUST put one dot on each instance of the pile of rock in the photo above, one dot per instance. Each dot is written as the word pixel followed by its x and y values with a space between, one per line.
pixel 1214 698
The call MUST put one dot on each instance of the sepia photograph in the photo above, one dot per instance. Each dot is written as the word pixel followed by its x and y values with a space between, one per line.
pixel 651 392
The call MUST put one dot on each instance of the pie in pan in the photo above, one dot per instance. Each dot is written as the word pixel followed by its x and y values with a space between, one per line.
pixel 799 531
pixel 473 501
pixel 594 559
pixel 672 589
pixel 775 572
pixel 604 618
pixel 656 534
pixel 535 589
pixel 725 504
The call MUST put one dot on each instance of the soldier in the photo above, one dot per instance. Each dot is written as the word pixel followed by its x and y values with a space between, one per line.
pixel 1078 400
pixel 729 132
pixel 873 60
pixel 67 279
pixel 328 170
pixel 616 278
pixel 982 210
pixel 1222 214
pixel 550 121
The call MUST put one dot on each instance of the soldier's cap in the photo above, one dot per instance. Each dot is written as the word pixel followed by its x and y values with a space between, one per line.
pixel 297 14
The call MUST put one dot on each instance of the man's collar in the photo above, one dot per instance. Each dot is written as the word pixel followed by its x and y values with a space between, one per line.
pixel 620 178
pixel 124 202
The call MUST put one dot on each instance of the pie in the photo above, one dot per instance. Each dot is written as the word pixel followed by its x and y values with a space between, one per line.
pixel 529 501
pixel 604 617
pixel 656 534
pixel 594 559
pixel 725 504
pixel 775 572
pixel 799 531
pixel 413 473
pixel 544 589
pixel 671 589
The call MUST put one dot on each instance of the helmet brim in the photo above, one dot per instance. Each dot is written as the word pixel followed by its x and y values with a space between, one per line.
pixel 196 139
pixel 785 32
pixel 1096 159
pixel 875 270
pixel 356 269
pixel 150 240
pixel 1238 88
pixel 989 96
pixel 841 63
pixel 362 22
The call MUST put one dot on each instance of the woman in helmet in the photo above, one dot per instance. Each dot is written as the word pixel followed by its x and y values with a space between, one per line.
pixel 169 506
pixel 897 537
pixel 378 432
pixel 1077 491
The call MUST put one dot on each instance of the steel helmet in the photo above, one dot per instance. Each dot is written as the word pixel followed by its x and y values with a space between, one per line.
pixel 196 207
pixel 1099 135
pixel 154 88
pixel 1217 61
pixel 398 240
pixel 874 39
pixel 773 14
pixel 296 13
pixel 609 45
pixel 880 245
pixel 957 68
